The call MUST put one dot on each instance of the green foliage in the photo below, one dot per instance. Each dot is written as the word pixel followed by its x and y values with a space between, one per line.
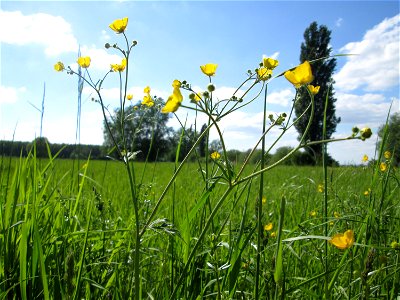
pixel 316 46
pixel 392 142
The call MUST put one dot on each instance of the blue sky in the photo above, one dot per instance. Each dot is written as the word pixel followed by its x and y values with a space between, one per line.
pixel 174 39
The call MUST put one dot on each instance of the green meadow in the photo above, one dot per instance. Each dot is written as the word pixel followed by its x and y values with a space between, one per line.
pixel 67 232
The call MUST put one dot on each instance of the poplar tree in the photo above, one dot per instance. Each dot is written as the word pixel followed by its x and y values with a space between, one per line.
pixel 316 46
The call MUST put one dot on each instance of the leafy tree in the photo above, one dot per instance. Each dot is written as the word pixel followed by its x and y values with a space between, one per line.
pixel 145 131
pixel 392 140
pixel 187 140
pixel 315 46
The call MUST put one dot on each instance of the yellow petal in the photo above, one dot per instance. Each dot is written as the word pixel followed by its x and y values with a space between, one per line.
pixel 270 63
pixel 59 66
pixel 301 75
pixel 171 105
pixel 264 73
pixel 119 25
pixel 209 69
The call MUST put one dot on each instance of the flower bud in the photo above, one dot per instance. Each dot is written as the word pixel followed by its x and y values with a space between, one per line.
pixel 211 88
pixel 107 45
pixel 134 43
pixel 365 133
pixel 191 96
pixel 206 94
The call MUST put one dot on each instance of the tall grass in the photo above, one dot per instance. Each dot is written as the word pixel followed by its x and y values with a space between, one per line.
pixel 72 240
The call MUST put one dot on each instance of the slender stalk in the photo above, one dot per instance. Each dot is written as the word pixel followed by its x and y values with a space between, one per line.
pixel 259 202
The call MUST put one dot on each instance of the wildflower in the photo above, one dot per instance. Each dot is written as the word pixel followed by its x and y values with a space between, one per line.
pixel 367 192
pixel 395 245
pixel 268 227
pixel 382 166
pixel 119 25
pixel 264 73
pixel 365 158
pixel 84 62
pixel 273 234
pixel 264 200
pixel 365 133
pixel 343 240
pixel 215 155
pixel 147 100
pixel 313 89
pixel 209 69
pixel 336 215
pixel 387 154
pixel 59 66
pixel 119 68
pixel 331 223
pixel 302 74
pixel 270 63
pixel 320 188
pixel 313 213
pixel 129 97
pixel 174 100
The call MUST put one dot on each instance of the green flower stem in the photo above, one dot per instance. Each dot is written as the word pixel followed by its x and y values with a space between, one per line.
pixel 260 195
pixel 160 199
pixel 289 154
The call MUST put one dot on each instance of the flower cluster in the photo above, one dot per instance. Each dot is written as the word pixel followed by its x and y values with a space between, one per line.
pixel 265 71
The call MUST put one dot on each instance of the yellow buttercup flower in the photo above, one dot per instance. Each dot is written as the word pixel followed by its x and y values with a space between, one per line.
pixel 395 245
pixel 59 66
pixel 264 73
pixel 367 192
pixel 264 200
pixel 313 213
pixel 174 100
pixel 209 69
pixel 387 154
pixel 313 89
pixel 365 158
pixel 268 227
pixel 273 234
pixel 302 74
pixel 336 215
pixel 215 155
pixel 343 240
pixel 129 96
pixel 84 61
pixel 270 63
pixel 119 25
pixel 147 99
pixel 119 68
pixel 382 166
pixel 320 188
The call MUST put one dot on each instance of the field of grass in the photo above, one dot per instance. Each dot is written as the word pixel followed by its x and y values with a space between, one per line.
pixel 67 232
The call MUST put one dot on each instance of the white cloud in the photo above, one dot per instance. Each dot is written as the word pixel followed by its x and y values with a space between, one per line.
pixel 281 97
pixel 338 22
pixel 376 65
pixel 368 108
pixel 52 32
pixel 10 94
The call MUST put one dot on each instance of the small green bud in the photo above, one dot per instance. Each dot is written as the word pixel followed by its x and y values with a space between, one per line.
pixel 355 129
pixel 107 45
pixel 211 88
pixel 284 115
pixel 134 43
pixel 191 96
pixel 206 94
